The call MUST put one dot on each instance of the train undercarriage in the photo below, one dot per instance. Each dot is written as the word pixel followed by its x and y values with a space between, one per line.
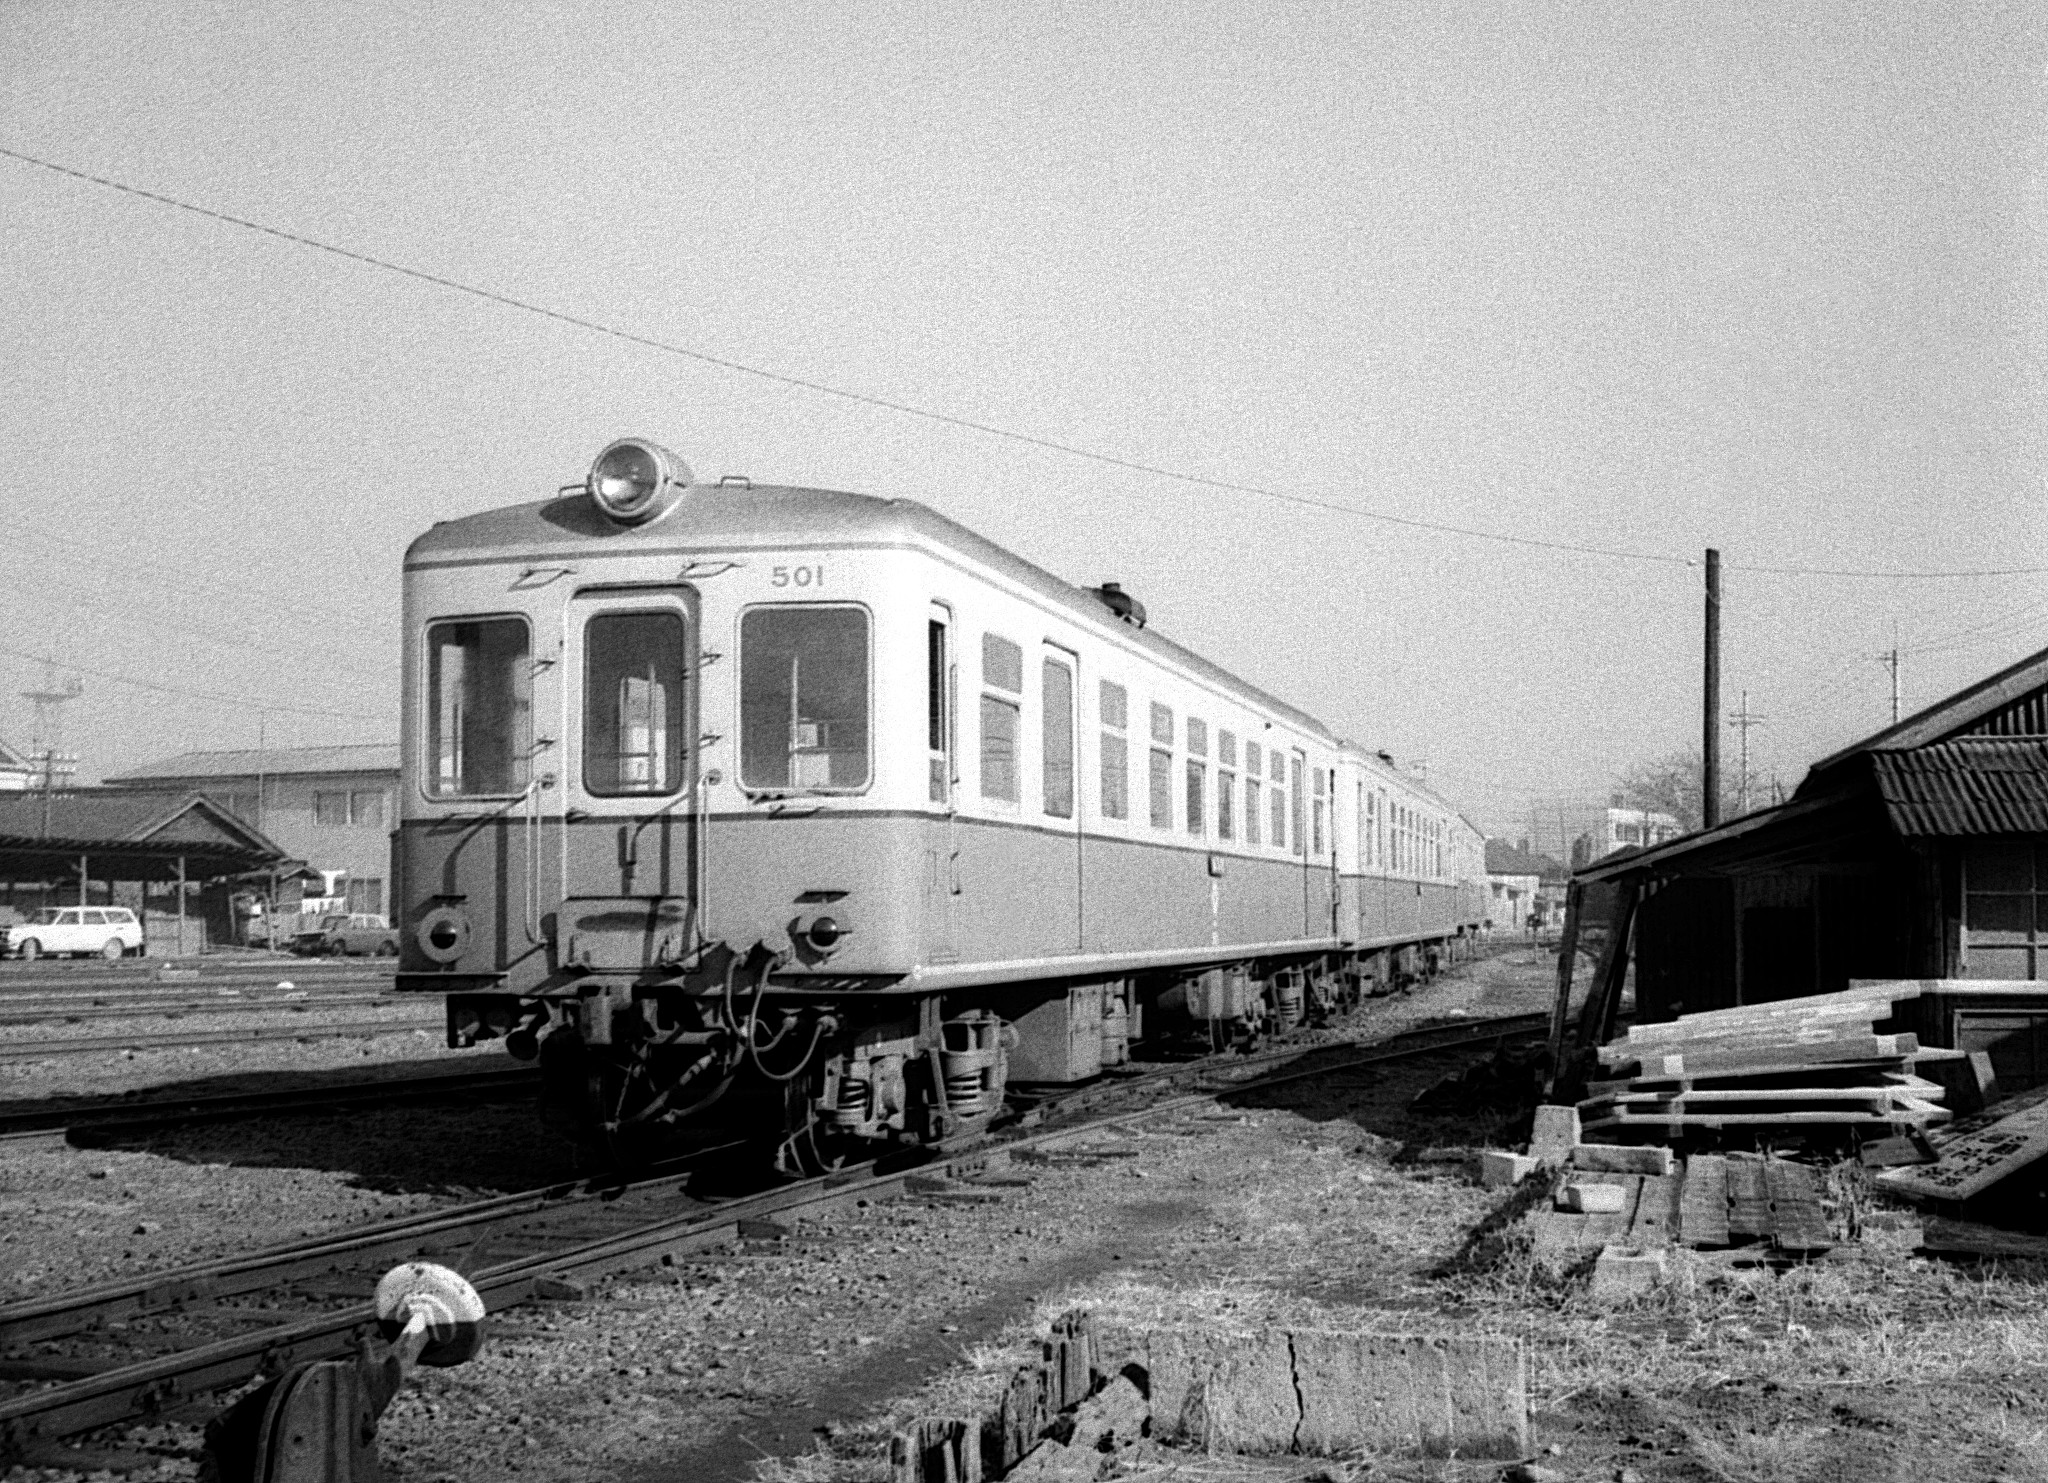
pixel 816 1079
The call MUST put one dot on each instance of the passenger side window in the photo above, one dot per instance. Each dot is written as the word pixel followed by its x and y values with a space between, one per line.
pixel 1057 699
pixel 1319 818
pixel 1251 792
pixel 1197 775
pixel 1002 706
pixel 1226 785
pixel 1296 806
pixel 1162 767
pixel 1116 798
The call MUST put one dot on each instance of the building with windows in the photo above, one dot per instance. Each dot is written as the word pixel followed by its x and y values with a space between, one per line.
pixel 17 772
pixel 1524 891
pixel 332 807
pixel 1918 853
pixel 1598 831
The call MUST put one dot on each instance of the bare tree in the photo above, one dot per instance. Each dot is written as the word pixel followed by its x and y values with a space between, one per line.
pixel 1671 785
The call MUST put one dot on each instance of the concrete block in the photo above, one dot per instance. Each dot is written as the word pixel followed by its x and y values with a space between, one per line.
pixel 1499 1170
pixel 1248 1401
pixel 1620 1274
pixel 1310 1391
pixel 1554 1134
pixel 1615 1158
pixel 1407 1394
pixel 1592 1199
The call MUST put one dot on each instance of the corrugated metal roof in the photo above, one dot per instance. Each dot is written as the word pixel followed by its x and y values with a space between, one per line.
pixel 271 762
pixel 1977 785
pixel 1951 714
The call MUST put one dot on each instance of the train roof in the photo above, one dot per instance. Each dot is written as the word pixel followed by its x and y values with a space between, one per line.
pixel 730 515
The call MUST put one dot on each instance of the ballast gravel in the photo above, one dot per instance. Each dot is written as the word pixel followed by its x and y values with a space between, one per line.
pixel 752 1361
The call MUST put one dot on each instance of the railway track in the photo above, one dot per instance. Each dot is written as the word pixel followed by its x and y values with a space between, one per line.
pixel 101 1119
pixel 163 1342
pixel 50 1010
pixel 37 1050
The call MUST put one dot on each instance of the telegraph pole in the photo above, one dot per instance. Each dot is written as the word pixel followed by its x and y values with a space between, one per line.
pixel 1890 660
pixel 1710 711
pixel 1742 720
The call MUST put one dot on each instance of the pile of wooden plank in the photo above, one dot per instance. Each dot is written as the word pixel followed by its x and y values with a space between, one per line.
pixel 1799 1066
pixel 1706 1201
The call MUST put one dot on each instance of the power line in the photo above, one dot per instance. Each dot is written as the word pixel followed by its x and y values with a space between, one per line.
pixel 946 419
pixel 234 700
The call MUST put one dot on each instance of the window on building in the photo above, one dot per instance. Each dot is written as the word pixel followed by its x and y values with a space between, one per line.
pixel 804 698
pixel 1057 707
pixel 635 666
pixel 1002 709
pixel 2005 908
pixel 330 809
pixel 1116 797
pixel 366 807
pixel 479 707
pixel 366 893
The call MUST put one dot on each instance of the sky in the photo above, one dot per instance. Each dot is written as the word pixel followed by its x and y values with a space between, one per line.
pixel 1588 288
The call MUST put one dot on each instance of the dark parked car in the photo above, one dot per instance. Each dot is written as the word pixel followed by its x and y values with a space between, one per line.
pixel 358 932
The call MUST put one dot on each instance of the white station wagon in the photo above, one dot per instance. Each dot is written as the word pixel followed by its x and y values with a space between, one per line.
pixel 110 931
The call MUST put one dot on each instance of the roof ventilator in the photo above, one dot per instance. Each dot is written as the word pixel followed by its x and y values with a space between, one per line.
pixel 1121 603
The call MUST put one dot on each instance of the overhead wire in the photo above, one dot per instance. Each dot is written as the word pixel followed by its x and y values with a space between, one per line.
pixel 245 702
pixel 950 419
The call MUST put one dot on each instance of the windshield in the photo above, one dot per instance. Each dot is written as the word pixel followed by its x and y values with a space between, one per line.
pixel 479 707
pixel 804 698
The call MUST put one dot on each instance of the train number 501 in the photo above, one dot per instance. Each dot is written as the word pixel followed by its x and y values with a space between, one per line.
pixel 797 576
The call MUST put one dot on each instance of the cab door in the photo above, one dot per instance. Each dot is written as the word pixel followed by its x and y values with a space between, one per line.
pixel 1059 673
pixel 628 843
pixel 942 842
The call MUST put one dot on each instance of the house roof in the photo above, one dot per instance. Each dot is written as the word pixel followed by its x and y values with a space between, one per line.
pixel 1974 785
pixel 127 831
pixel 1971 707
pixel 379 757
pixel 1503 858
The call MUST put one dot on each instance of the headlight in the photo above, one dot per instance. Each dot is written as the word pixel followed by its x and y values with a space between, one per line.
pixel 633 481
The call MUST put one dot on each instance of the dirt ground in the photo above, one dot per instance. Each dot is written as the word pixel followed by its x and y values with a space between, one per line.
pixel 792 1360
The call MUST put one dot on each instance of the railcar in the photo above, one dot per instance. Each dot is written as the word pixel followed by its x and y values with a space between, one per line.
pixel 817 815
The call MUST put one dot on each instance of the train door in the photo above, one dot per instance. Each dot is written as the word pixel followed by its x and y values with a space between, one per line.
pixel 942 846
pixel 1060 793
pixel 629 829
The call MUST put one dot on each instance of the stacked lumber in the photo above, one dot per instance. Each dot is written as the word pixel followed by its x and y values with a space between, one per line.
pixel 1705 1201
pixel 1812 1065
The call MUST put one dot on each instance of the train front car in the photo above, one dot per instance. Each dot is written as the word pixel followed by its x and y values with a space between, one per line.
pixel 647 836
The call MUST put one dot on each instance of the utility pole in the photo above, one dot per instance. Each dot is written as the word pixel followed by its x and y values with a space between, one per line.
pixel 1710 712
pixel 1742 720
pixel 1890 660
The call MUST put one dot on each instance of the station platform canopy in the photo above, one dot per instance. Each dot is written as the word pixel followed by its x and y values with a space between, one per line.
pixel 111 834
